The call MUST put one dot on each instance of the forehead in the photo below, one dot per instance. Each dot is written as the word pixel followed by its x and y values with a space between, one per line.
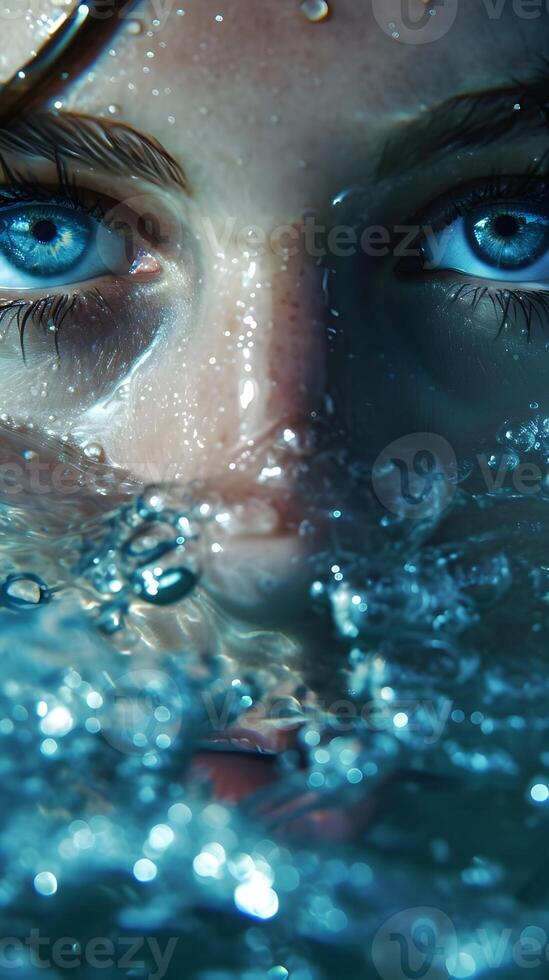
pixel 219 42
pixel 254 84
pixel 218 45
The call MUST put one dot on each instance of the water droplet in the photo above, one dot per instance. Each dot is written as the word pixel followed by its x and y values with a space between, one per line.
pixel 45 883
pixel 95 451
pixel 134 27
pixel 163 587
pixel 23 590
pixel 111 617
pixel 518 435
pixel 151 542
pixel 507 460
pixel 539 792
pixel 315 10
pixel 152 501
pixel 145 869
pixel 113 109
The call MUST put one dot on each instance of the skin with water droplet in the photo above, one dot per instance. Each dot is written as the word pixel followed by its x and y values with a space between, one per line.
pixel 315 10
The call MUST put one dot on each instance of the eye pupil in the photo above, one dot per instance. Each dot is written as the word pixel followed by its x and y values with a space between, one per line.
pixel 506 225
pixel 44 231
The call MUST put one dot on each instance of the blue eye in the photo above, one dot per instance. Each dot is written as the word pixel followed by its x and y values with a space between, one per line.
pixel 54 244
pixel 509 238
pixel 507 242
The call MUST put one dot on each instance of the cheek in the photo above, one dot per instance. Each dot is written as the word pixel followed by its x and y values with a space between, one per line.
pixel 211 400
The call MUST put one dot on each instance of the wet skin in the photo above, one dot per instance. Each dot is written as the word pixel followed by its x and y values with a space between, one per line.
pixel 224 345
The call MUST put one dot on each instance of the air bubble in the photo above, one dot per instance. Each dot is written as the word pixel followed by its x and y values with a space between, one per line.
pixel 111 617
pixel 506 460
pixel 23 590
pixel 518 435
pixel 162 587
pixel 45 883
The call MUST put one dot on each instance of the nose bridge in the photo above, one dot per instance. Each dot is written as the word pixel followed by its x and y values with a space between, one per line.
pixel 281 339
pixel 280 380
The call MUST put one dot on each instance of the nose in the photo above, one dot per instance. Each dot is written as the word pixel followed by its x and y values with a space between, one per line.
pixel 276 329
pixel 209 406
pixel 272 382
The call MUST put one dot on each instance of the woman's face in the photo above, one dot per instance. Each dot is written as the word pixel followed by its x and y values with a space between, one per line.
pixel 332 226
pixel 295 265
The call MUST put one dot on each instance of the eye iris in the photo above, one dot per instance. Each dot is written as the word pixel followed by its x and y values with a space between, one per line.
pixel 42 239
pixel 509 239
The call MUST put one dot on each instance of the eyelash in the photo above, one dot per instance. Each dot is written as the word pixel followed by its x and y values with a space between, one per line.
pixel 513 303
pixel 531 185
pixel 49 313
pixel 18 189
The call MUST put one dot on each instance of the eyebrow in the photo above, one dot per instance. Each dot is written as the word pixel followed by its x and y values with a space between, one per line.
pixel 113 147
pixel 470 121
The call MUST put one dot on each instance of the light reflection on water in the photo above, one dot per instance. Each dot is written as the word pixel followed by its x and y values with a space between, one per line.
pixel 410 801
